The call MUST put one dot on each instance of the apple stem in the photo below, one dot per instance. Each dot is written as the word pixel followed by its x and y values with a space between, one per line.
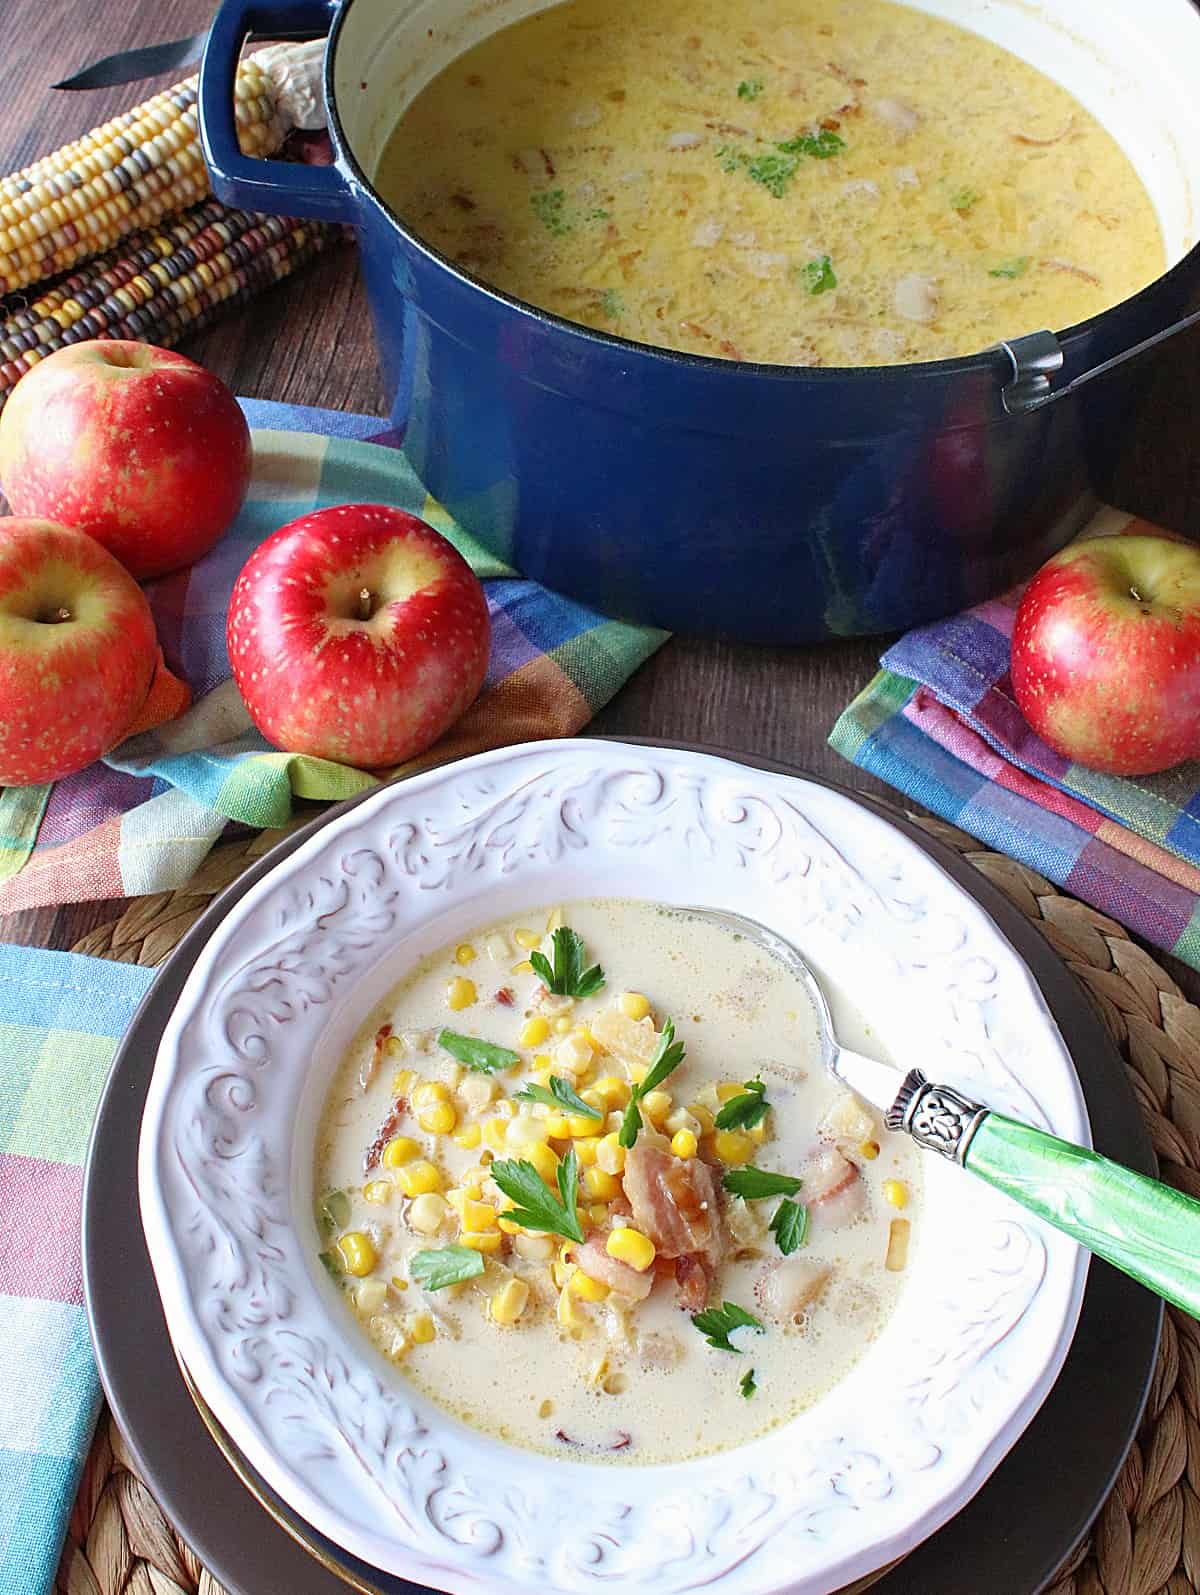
pixel 1135 595
pixel 366 604
pixel 56 615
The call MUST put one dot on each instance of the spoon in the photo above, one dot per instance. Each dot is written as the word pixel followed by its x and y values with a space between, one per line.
pixel 1148 1230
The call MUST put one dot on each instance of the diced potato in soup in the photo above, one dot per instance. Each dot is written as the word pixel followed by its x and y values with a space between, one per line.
pixel 801 182
pixel 611 1206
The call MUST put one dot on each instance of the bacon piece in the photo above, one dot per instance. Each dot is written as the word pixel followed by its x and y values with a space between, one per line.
pixel 834 1188
pixel 371 1067
pixel 547 163
pixel 1074 271
pixel 462 201
pixel 674 1201
pixel 505 997
pixel 844 76
pixel 728 127
pixel 610 1271
pixel 387 1130
pixel 620 1439
pixel 730 350
pixel 692 1283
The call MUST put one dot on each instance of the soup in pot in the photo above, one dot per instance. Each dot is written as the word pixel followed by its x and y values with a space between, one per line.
pixel 803 182
pixel 586 1182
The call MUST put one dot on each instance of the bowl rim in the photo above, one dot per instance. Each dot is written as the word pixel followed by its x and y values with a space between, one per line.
pixel 325 837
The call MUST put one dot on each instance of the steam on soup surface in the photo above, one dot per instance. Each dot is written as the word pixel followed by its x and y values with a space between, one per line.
pixel 802 182
pixel 751 1179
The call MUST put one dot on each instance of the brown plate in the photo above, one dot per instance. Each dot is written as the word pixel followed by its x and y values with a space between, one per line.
pixel 1007 1541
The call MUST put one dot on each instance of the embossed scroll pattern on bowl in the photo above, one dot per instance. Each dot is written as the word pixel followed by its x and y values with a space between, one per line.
pixel 890 1453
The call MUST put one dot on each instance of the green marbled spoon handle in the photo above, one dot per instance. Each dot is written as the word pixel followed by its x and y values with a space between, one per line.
pixel 1145 1228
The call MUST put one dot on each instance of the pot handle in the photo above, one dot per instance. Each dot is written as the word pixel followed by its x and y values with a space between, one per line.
pixel 281 188
pixel 1037 356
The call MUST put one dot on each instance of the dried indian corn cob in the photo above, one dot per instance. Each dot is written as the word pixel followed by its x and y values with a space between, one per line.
pixel 144 164
pixel 161 284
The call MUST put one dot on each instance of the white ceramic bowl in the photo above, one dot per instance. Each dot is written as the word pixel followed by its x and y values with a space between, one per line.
pixel 225 1175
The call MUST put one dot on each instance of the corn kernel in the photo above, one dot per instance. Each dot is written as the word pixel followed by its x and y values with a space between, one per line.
pixel 370 1296
pixel 598 1213
pixel 495 1134
pixel 534 1031
pixel 460 993
pixel 541 1060
pixel 469 1137
pixel 568 1314
pixel 702 1117
pixel 417 1178
pixel 610 1154
pixel 562 1024
pixel 402 1081
pixel 558 1126
pixel 439 1119
pixel 505 1108
pixel 429 1092
pixel 758 1132
pixel 562 1273
pixel 476 1091
pixel 379 1191
pixel 472 1180
pixel 529 939
pixel 631 1246
pixel 895 1193
pixel 633 1005
pixel 732 1147
pixel 656 1105
pixel 478 1216
pixel 684 1143
pixel 393 1047
pixel 585 1287
pixel 727 1090
pixel 869 1150
pixel 427 1212
pixel 581 1124
pixel 533 1248
pixel 358 1253
pixel 586 1147
pixel 601 1187
pixel 554 920
pixel 464 953
pixel 400 1149
pixel 488 1240
pixel 522 967
pixel 573 1054
pixel 545 1162
pixel 612 1091
pixel 420 1328
pixel 509 1302
pixel 507 1227
pixel 526 1131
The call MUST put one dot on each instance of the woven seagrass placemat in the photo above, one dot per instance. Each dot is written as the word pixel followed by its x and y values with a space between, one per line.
pixel 1146 1540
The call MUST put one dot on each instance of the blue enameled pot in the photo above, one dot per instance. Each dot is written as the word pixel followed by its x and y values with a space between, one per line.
pixel 768 503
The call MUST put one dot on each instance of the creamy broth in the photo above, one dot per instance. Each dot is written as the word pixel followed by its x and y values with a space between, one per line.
pixel 583 1368
pixel 792 181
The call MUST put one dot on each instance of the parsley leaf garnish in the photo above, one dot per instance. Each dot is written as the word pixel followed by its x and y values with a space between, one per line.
pixel 818 275
pixel 790 1226
pixel 445 1265
pixel 745 1110
pixel 819 146
pixel 567 977
pixel 329 1262
pixel 485 1057
pixel 746 1383
pixel 667 1058
pixel 774 172
pixel 1017 267
pixel 964 199
pixel 749 88
pixel 559 1095
pixel 718 1323
pixel 537 1207
pixel 548 207
pixel 611 303
pixel 754 1183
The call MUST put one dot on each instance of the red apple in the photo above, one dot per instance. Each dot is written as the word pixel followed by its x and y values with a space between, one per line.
pixel 357 633
pixel 140 447
pixel 1106 653
pixel 77 651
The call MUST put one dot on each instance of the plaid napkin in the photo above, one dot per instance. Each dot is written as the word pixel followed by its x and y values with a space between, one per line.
pixel 142 819
pixel 61 1017
pixel 939 722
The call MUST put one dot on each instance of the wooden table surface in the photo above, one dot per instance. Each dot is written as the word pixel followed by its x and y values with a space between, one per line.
pixel 308 341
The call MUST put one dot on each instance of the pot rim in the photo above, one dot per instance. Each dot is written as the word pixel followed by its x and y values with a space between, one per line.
pixel 995 356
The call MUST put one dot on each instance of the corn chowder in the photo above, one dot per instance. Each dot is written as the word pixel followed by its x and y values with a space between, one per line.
pixel 802 182
pixel 584 1179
